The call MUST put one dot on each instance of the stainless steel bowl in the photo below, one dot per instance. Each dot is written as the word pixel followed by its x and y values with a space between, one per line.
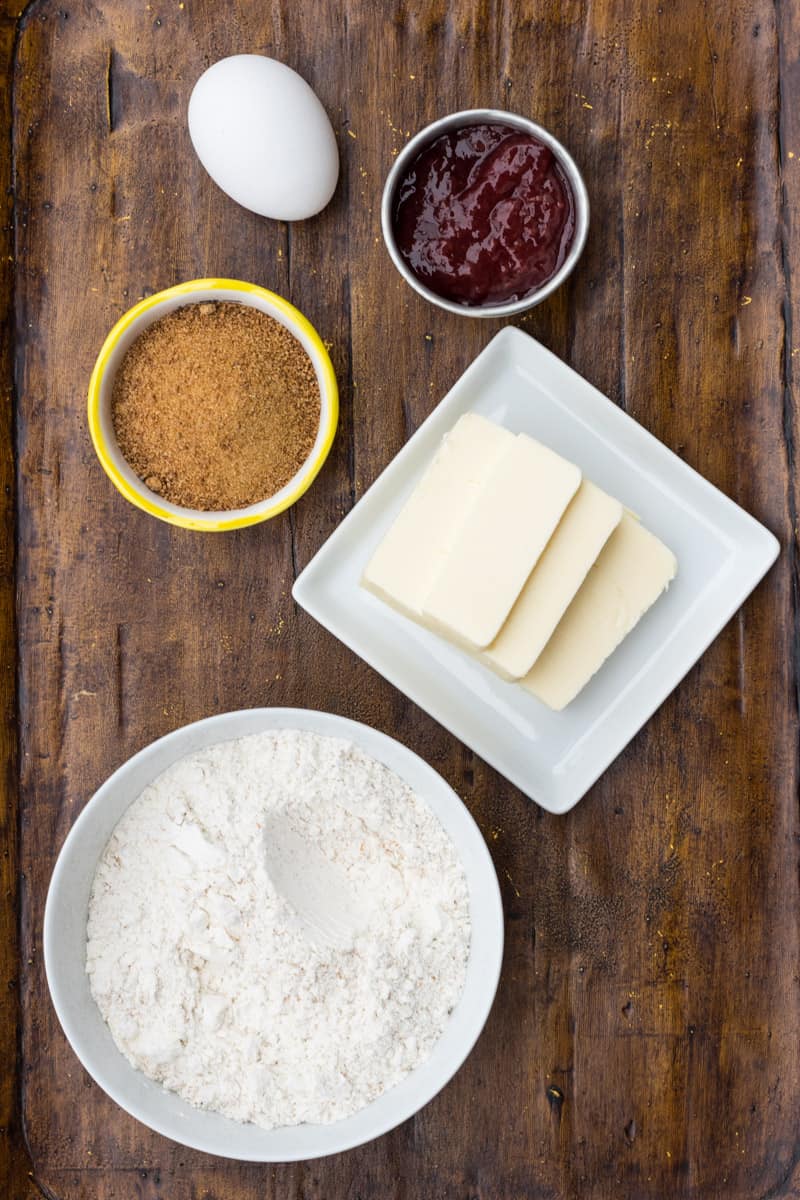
pixel 485 116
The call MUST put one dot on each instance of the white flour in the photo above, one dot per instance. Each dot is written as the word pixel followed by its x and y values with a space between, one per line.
pixel 207 981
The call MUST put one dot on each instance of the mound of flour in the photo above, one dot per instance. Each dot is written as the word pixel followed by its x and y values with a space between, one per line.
pixel 209 983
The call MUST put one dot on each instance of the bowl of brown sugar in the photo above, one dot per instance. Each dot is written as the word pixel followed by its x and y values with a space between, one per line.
pixel 213 404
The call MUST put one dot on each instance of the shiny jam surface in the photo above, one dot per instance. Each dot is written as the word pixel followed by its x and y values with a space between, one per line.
pixel 484 215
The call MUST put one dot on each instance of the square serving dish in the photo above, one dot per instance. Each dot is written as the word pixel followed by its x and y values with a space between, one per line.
pixel 722 554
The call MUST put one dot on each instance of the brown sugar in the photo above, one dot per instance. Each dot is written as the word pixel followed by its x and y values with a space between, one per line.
pixel 216 406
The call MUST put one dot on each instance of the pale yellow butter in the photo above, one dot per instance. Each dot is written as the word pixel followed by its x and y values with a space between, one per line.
pixel 631 572
pixel 500 542
pixel 411 554
pixel 584 529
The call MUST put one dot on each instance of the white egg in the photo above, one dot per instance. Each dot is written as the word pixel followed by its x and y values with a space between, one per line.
pixel 263 136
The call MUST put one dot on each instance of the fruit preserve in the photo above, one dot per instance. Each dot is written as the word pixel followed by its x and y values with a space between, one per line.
pixel 484 215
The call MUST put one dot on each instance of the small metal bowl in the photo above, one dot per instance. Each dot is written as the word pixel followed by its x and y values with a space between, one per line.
pixel 485 116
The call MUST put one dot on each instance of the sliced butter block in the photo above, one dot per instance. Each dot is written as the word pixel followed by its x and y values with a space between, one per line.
pixel 406 562
pixel 499 544
pixel 632 571
pixel 582 532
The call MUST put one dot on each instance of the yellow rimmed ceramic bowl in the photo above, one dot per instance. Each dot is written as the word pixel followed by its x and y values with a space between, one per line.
pixel 125 332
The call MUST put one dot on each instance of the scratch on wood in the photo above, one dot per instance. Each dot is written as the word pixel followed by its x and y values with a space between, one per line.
pixel 42 1188
pixel 119 669
pixel 713 89
pixel 788 382
pixel 110 97
pixel 63 705
pixel 351 441
pixel 740 655
pixel 623 325
pixel 506 40
pixel 289 259
pixel 292 543
pixel 408 420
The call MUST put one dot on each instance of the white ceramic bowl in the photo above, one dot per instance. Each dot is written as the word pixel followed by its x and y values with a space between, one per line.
pixel 165 1112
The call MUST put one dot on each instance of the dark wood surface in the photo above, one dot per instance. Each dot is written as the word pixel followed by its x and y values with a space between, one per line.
pixel 645 1038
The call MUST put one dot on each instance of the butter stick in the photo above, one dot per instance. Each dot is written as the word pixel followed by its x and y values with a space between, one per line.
pixel 572 550
pixel 631 572
pixel 413 551
pixel 499 544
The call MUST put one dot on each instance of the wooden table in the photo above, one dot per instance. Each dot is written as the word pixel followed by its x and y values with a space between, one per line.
pixel 644 1042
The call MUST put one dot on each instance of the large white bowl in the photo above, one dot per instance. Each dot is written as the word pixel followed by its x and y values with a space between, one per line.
pixel 65 949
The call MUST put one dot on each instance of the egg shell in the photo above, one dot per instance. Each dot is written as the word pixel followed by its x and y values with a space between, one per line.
pixel 263 136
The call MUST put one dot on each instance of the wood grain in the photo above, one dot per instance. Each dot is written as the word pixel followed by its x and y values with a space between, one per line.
pixel 645 1038
pixel 15 1168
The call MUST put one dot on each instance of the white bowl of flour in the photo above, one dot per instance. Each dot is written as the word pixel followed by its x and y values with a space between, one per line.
pixel 205 1002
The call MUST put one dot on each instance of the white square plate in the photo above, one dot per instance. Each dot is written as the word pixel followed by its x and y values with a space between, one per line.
pixel 722 554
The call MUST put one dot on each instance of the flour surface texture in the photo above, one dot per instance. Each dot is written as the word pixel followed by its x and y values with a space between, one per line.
pixel 208 981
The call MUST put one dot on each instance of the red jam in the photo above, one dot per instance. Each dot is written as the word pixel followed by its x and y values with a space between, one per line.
pixel 484 215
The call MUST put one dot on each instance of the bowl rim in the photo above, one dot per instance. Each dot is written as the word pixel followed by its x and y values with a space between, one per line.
pixel 375 743
pixel 221 521
pixel 487 116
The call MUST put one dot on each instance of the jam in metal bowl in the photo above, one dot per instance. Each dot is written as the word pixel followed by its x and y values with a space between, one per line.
pixel 485 215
